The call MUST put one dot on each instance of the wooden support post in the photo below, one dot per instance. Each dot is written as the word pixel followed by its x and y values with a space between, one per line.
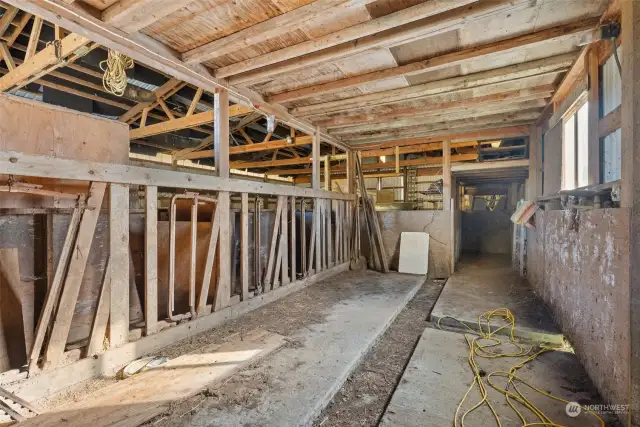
pixel 303 237
pixel 75 273
pixel 221 153
pixel 267 280
pixel 630 197
pixel 292 237
pixel 315 183
pixel 284 242
pixel 397 153
pixel 593 163
pixel 119 264
pixel 534 147
pixel 446 175
pixel 244 245
pixel 151 259
pixel 329 233
pixel 325 241
pixel 327 174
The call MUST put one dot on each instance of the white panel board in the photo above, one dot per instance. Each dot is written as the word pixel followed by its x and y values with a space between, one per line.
pixel 414 253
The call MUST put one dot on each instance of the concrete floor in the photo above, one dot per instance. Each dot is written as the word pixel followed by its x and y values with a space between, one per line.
pixel 438 376
pixel 331 325
pixel 487 282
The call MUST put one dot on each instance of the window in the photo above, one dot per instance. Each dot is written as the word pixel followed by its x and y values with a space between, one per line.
pixel 611 156
pixel 575 151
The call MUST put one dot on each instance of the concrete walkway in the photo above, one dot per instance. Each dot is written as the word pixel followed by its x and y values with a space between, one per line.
pixel 438 376
pixel 487 282
pixel 331 326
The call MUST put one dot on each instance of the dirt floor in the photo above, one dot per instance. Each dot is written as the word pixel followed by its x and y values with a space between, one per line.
pixel 364 397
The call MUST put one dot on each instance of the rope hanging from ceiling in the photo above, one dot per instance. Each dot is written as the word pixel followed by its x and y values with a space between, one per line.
pixel 115 69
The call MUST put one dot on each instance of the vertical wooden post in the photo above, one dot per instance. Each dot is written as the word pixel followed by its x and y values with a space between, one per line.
pixel 315 165
pixel 119 264
pixel 292 236
pixel 534 169
pixel 630 197
pixel 303 237
pixel 221 153
pixel 446 175
pixel 151 259
pixel 593 163
pixel 330 237
pixel 244 245
pixel 327 173
pixel 284 244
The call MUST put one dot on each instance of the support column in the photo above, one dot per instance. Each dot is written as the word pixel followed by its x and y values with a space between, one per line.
pixel 119 264
pixel 630 197
pixel 315 183
pixel 593 163
pixel 535 160
pixel 446 175
pixel 221 153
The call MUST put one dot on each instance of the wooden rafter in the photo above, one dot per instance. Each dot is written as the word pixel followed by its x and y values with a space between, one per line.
pixel 249 148
pixel 26 17
pixel 6 56
pixel 7 18
pixel 133 15
pixel 184 122
pixel 555 33
pixel 161 92
pixel 34 38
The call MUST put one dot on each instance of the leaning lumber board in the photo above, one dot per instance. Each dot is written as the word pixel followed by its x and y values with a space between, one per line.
pixel 77 265
pixel 54 290
pixel 119 264
pixel 15 331
pixel 136 399
pixel 272 247
pixel 101 317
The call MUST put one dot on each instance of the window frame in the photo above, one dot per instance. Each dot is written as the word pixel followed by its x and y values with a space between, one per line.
pixel 572 113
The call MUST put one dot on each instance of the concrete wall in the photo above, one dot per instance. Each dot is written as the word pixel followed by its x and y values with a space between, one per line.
pixel 436 223
pixel 486 231
pixel 578 263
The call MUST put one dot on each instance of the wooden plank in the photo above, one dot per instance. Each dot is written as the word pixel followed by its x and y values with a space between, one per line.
pixel 7 18
pixel 133 15
pixel 6 55
pixel 272 247
pixel 14 163
pixel 249 148
pixel 244 245
pixel 101 318
pixel 40 61
pixel 151 259
pixel 34 38
pixel 446 175
pixel 195 101
pixel 17 334
pixel 514 72
pixel 284 242
pixel 367 28
pixel 26 17
pixel 75 273
pixel 181 378
pixel 223 292
pixel 609 123
pixel 292 242
pixel 203 295
pixel 119 264
pixel 438 62
pixel 222 113
pixel 593 162
pixel 267 29
pixel 325 241
pixel 53 293
pixel 329 232
pixel 183 123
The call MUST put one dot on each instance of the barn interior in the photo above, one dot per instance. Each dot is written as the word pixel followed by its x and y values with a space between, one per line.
pixel 389 213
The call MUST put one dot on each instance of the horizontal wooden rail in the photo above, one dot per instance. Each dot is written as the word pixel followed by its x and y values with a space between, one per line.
pixel 13 163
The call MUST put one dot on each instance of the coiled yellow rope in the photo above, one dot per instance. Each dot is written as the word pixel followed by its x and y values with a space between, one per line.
pixel 114 67
pixel 511 392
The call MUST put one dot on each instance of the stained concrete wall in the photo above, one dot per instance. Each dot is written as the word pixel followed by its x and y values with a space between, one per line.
pixel 578 263
pixel 436 223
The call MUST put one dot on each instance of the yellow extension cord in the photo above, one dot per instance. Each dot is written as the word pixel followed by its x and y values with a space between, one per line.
pixel 115 69
pixel 511 392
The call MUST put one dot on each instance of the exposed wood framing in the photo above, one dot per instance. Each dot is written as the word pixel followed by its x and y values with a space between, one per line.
pixel 593 164
pixel 7 18
pixel 6 55
pixel 134 15
pixel 119 264
pixel 438 62
pixel 151 259
pixel 34 38
pixel 73 280
pixel 161 92
pixel 249 148
pixel 609 123
pixel 244 246
pixel 100 322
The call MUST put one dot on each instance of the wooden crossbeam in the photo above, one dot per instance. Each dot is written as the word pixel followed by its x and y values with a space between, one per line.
pixel 269 28
pixel 184 122
pixel 26 17
pixel 34 38
pixel 47 59
pixel 438 62
pixel 372 27
pixel 7 18
pixel 160 93
pixel 133 15
pixel 6 55
pixel 249 148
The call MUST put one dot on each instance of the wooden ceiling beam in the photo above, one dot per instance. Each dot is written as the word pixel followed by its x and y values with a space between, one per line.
pixel 9 13
pixel 160 93
pixel 438 62
pixel 536 92
pixel 43 62
pixel 401 18
pixel 184 123
pixel 541 67
pixel 133 15
pixel 420 148
pixel 270 28
pixel 434 116
pixel 148 51
pixel 251 148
